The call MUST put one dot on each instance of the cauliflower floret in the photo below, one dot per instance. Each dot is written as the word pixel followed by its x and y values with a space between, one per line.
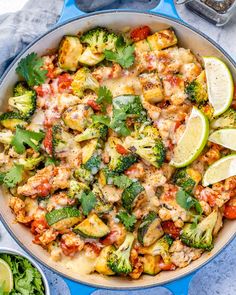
pixel 182 255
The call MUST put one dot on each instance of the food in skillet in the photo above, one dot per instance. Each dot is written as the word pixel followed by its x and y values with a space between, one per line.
pixel 112 151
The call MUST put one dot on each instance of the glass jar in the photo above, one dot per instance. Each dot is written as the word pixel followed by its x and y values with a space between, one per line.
pixel 217 12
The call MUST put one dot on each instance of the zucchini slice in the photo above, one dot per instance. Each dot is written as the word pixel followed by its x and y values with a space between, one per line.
pixel 162 39
pixel 151 264
pixel 92 227
pixel 64 218
pixel 130 194
pixel 90 58
pixel 101 262
pixel 10 120
pixel 70 50
pixel 150 229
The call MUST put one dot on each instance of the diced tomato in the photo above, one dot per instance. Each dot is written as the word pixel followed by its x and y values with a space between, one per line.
pixel 110 238
pixel 47 142
pixel 140 33
pixel 44 189
pixel 166 266
pixel 135 171
pixel 177 125
pixel 170 229
pixel 174 80
pixel 95 106
pixel 64 82
pixel 121 150
pixel 68 250
pixel 50 74
pixel 39 90
pixel 230 209
pixel 38 225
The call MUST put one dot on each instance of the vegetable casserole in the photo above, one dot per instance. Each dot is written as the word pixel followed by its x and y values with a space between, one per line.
pixel 89 138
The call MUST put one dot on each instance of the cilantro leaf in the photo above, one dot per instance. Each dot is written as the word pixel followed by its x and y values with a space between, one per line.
pixel 104 97
pixel 88 202
pixel 124 55
pixel 101 119
pixel 127 219
pixel 122 181
pixel 30 69
pixel 13 176
pixel 24 137
pixel 187 202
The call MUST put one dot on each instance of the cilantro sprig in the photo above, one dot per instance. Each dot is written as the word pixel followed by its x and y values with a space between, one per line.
pixel 30 68
pixel 88 202
pixel 24 137
pixel 127 219
pixel 104 97
pixel 124 54
pixel 12 177
pixel 188 202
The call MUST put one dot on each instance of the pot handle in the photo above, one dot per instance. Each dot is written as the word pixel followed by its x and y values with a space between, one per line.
pixel 167 8
pixel 180 286
pixel 70 9
pixel 77 288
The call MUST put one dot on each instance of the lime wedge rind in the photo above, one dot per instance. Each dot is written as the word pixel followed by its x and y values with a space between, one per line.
pixel 220 170
pixel 6 277
pixel 189 145
pixel 220 84
pixel 224 137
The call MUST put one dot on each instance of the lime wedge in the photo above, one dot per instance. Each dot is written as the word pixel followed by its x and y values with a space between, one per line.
pixel 220 170
pixel 224 137
pixel 6 278
pixel 193 140
pixel 220 85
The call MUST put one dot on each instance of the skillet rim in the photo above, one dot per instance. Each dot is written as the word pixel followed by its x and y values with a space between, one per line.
pixel 14 61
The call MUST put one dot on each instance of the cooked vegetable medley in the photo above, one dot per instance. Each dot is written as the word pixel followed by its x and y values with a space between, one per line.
pixel 91 138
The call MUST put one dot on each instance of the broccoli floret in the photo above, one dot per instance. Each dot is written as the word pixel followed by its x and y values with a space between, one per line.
pixel 200 236
pixel 148 145
pixel 160 247
pixel 60 140
pixel 99 39
pixel 10 120
pixel 76 189
pixel 130 194
pixel 84 175
pixel 24 100
pixel 183 179
pixel 119 163
pixel 93 164
pixel 226 120
pixel 96 130
pixel 83 80
pixel 6 136
pixel 118 260
pixel 122 163
pixel 31 163
pixel 197 90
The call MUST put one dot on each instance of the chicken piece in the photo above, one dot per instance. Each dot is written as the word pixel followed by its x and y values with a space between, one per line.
pixel 19 208
pixel 59 200
pixel 45 181
pixel 171 60
pixel 211 156
pixel 174 89
pixel 153 111
pixel 105 73
pixel 111 193
pixel 136 170
pixel 182 255
pixel 137 265
pixel 170 210
pixel 47 237
pixel 71 243
pixel 190 71
pixel 154 179
pixel 145 61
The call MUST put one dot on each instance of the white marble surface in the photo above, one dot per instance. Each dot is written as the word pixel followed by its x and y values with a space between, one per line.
pixel 218 277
